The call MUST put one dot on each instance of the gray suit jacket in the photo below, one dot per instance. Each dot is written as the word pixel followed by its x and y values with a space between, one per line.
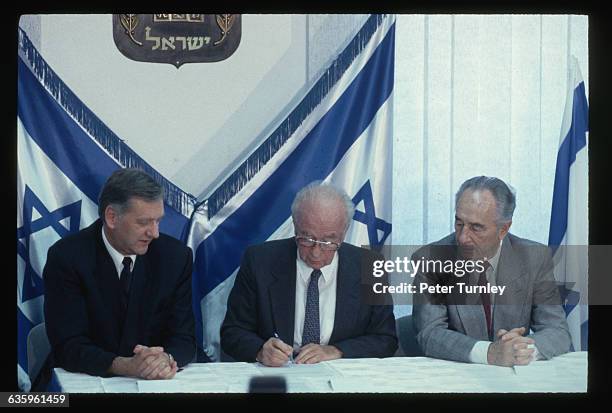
pixel 449 325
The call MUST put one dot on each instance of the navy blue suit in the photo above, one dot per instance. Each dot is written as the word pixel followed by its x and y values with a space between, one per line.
pixel 262 302
pixel 83 310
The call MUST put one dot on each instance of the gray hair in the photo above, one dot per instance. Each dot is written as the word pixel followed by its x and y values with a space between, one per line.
pixel 124 184
pixel 505 195
pixel 317 191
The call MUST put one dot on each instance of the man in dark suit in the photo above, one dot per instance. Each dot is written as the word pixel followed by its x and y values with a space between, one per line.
pixel 524 323
pixel 118 293
pixel 302 295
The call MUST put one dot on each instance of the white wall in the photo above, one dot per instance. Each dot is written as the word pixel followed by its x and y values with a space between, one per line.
pixel 479 95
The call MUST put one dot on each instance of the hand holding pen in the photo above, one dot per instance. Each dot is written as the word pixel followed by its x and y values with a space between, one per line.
pixel 275 352
pixel 290 354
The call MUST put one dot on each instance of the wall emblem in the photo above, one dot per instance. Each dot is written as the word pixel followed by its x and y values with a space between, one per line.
pixel 177 38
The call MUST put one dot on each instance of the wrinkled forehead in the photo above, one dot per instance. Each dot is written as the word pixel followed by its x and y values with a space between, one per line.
pixel 478 205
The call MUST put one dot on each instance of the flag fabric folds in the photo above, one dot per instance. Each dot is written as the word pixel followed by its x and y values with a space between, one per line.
pixel 568 234
pixel 64 156
pixel 340 133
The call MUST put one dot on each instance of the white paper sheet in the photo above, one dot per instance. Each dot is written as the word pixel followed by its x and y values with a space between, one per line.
pixel 320 370
pixel 78 382
pixel 181 386
pixel 120 385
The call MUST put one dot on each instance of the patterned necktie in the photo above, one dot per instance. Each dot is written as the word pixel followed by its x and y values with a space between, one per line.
pixel 126 280
pixel 311 333
pixel 486 298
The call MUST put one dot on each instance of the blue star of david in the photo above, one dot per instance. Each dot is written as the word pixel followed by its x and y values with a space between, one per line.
pixel 569 300
pixel 369 217
pixel 32 282
pixel 569 297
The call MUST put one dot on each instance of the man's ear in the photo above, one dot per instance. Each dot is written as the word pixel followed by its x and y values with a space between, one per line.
pixel 503 230
pixel 110 217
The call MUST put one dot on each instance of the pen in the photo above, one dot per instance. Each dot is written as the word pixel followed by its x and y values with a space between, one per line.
pixel 291 355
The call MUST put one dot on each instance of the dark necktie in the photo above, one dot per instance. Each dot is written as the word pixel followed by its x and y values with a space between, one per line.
pixel 486 299
pixel 311 333
pixel 125 279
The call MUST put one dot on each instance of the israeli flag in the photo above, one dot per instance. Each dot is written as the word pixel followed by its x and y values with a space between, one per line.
pixel 569 219
pixel 64 155
pixel 341 133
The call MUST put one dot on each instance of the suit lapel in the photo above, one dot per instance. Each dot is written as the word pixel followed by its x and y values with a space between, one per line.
pixel 471 312
pixel 347 293
pixel 473 320
pixel 109 286
pixel 468 306
pixel 510 273
pixel 282 293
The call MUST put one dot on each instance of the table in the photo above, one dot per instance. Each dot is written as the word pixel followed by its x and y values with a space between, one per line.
pixel 566 373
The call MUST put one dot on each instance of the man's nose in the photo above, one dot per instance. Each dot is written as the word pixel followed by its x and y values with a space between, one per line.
pixel 463 236
pixel 153 230
pixel 316 250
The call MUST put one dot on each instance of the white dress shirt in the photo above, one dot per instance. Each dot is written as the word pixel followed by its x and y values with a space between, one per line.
pixel 479 352
pixel 327 299
pixel 116 255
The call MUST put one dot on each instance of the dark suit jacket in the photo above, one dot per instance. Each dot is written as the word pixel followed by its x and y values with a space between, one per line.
pixel 449 325
pixel 262 302
pixel 82 302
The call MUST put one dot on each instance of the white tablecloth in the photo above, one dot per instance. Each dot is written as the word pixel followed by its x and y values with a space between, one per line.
pixel 566 373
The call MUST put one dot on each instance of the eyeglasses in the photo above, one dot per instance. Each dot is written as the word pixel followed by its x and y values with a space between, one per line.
pixel 325 245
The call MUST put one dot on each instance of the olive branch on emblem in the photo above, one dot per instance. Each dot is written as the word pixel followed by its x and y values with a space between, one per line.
pixel 129 23
pixel 225 23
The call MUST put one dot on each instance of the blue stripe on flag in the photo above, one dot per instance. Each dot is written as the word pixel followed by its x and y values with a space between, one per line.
pixel 85 164
pixel 76 154
pixel 571 145
pixel 24 325
pixel 314 158
pixel 253 164
pixel 115 146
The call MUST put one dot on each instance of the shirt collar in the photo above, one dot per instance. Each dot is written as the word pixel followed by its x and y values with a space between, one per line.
pixel 327 272
pixel 116 256
pixel 495 258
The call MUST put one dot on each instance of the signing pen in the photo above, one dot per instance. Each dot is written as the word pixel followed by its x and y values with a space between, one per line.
pixel 291 355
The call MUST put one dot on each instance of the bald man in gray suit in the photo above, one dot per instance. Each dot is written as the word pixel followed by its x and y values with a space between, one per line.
pixel 523 324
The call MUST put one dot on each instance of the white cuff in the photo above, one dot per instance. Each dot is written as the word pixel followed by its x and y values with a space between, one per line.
pixel 479 352
pixel 536 354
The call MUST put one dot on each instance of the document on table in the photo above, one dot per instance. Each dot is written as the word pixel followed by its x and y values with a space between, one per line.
pixel 569 363
pixel 120 385
pixel 205 378
pixel 565 373
pixel 537 370
pixel 422 375
pixel 362 385
pixel 319 370
pixel 229 370
pixel 182 386
pixel 78 382
pixel 404 368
